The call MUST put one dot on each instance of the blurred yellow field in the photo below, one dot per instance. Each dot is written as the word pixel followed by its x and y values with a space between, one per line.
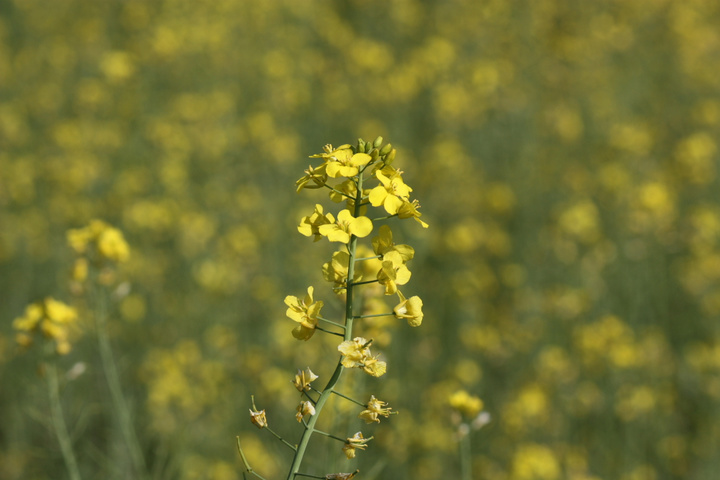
pixel 565 156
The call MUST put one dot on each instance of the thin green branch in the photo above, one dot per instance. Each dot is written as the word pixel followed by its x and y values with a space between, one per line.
pixel 332 322
pixel 330 435
pixel 364 282
pixel 328 331
pixel 351 399
pixel 375 315
pixel 292 447
pixel 368 258
pixel 248 468
pixel 384 218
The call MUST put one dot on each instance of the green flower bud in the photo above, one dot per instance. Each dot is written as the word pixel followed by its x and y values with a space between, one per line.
pixel 361 146
pixel 386 149
pixel 377 142
pixel 390 157
pixel 374 154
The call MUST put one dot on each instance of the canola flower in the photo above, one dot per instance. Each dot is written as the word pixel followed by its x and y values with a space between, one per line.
pixel 50 318
pixel 360 176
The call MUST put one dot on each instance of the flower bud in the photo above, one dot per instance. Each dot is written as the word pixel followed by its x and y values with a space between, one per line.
pixel 378 141
pixel 374 154
pixel 386 149
pixel 390 157
pixel 361 146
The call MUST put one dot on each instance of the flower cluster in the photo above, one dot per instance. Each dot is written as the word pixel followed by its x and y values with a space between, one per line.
pixel 357 177
pixel 100 245
pixel 51 318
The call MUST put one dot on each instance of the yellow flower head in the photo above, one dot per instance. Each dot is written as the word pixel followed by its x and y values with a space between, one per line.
pixel 391 193
pixel 383 243
pixel 112 245
pixel 468 405
pixel 374 409
pixel 410 210
pixel 409 309
pixel 345 226
pixel 356 353
pixel 356 442
pixel 316 175
pixel 310 225
pixel 52 318
pixel 336 270
pixel 305 408
pixel 258 418
pixel 393 272
pixel 303 379
pixel 305 312
pixel 343 163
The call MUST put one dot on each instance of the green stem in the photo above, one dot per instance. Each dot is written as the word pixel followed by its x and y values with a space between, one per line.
pixel 351 399
pixel 364 282
pixel 331 322
pixel 248 468
pixel 465 458
pixel 293 447
pixel 329 388
pixel 59 425
pixel 328 331
pixel 375 315
pixel 113 379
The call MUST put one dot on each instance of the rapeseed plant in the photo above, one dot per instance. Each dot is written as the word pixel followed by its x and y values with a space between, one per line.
pixel 350 268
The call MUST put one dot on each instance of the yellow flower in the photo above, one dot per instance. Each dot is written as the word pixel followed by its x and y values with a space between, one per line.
pixel 356 353
pixel 383 244
pixel 51 318
pixel 409 309
pixel 305 408
pixel 342 163
pixel 393 272
pixel 303 378
pixel 305 312
pixel 336 270
pixel 317 175
pixel 391 193
pixel 356 442
pixel 258 418
pixel 468 405
pixel 410 210
pixel 374 409
pixel 310 225
pixel 112 245
pixel 345 226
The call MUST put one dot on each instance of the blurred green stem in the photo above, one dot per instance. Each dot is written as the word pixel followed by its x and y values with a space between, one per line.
pixel 465 457
pixel 58 422
pixel 329 388
pixel 113 379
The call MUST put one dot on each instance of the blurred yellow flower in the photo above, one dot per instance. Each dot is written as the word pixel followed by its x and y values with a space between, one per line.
pixel 52 318
pixel 468 405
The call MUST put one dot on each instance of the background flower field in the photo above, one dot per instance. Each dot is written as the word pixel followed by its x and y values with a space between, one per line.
pixel 566 158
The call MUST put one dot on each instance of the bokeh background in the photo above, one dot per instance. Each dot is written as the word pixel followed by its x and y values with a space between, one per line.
pixel 565 156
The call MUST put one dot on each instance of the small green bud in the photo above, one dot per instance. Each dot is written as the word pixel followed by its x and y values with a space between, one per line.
pixel 386 149
pixel 374 154
pixel 390 157
pixel 377 142
pixel 361 145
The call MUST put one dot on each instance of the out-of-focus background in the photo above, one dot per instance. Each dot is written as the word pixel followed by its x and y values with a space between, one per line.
pixel 565 155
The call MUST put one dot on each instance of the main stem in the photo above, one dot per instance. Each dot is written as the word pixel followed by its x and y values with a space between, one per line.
pixel 329 388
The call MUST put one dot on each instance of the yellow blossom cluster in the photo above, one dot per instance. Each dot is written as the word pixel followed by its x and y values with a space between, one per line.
pixel 50 318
